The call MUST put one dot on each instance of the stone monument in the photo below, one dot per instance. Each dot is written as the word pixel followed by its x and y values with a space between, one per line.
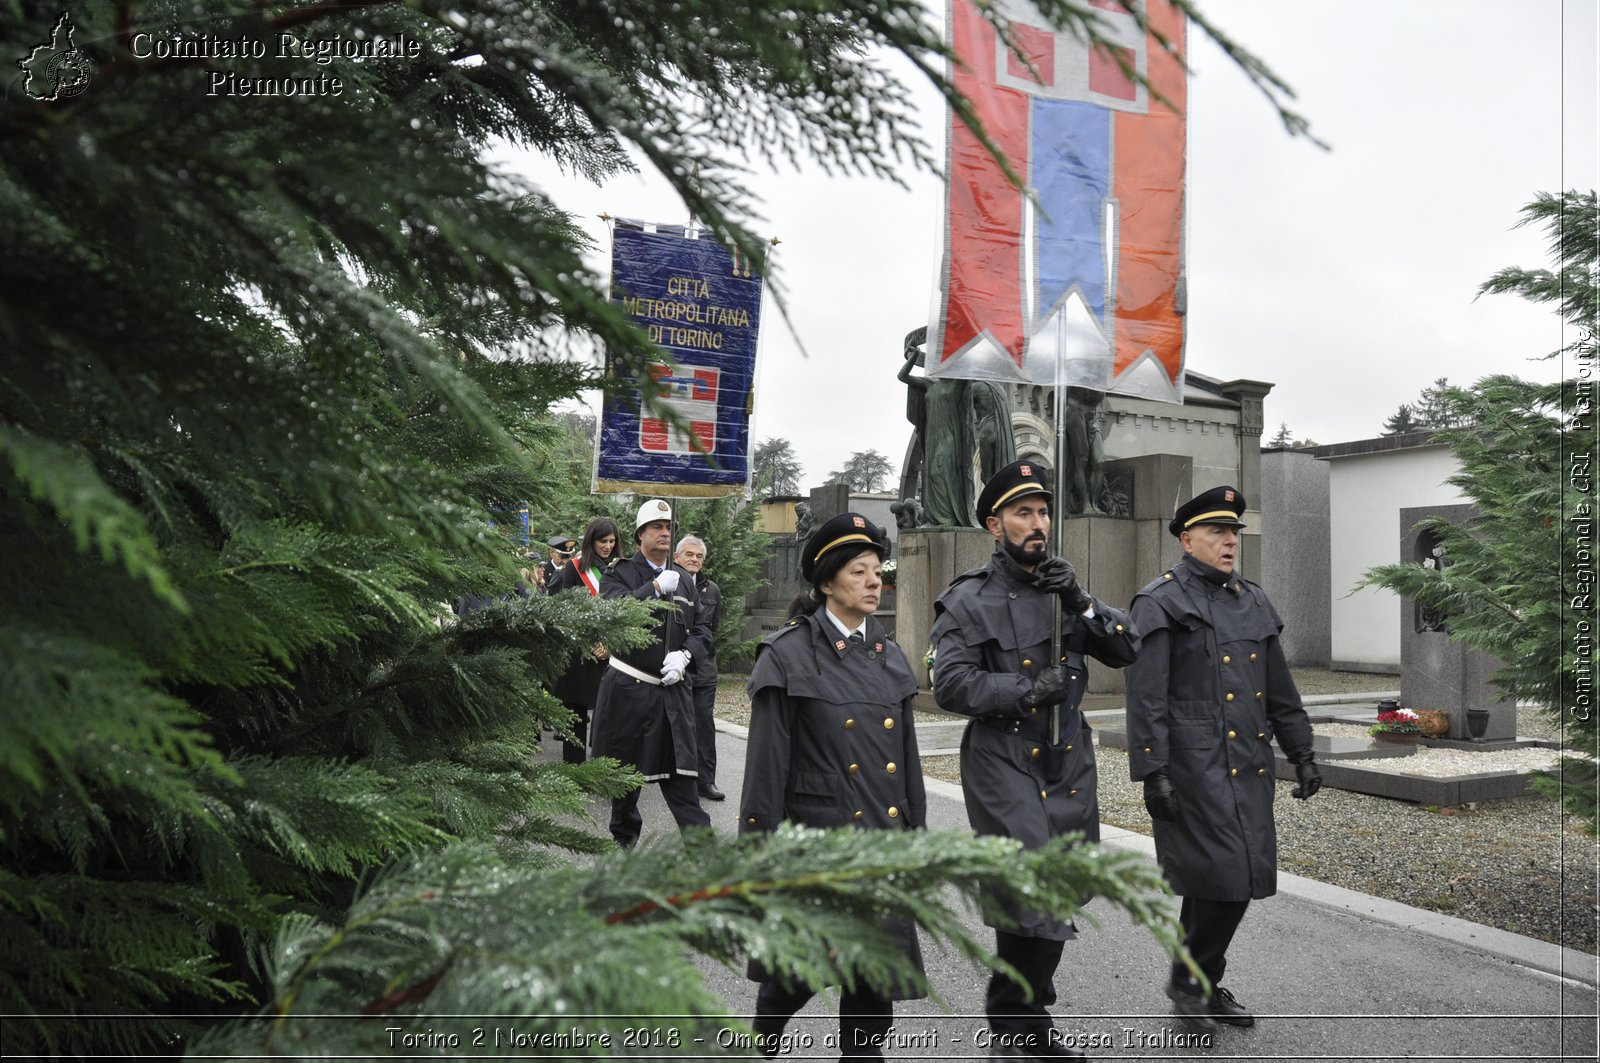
pixel 1437 671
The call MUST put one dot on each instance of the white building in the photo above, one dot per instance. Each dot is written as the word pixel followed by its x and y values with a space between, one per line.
pixel 1369 482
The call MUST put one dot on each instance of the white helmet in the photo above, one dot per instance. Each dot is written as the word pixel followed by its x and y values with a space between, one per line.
pixel 653 509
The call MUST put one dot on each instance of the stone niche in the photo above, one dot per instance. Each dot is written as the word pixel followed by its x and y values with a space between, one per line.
pixel 1437 671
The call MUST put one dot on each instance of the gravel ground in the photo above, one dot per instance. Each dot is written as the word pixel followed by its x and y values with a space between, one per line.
pixel 1512 864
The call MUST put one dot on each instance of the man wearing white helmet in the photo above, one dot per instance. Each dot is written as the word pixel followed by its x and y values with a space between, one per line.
pixel 644 713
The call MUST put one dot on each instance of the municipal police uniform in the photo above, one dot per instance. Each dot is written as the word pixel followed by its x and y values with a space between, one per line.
pixel 1209 693
pixel 992 642
pixel 832 744
pixel 639 720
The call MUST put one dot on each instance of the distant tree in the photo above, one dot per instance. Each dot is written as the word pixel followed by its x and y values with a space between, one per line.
pixel 1434 410
pixel 1284 438
pixel 1402 421
pixel 865 470
pixel 777 470
pixel 1514 588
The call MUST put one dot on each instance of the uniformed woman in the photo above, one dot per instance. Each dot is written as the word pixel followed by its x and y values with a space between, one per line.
pixel 832 745
pixel 581 683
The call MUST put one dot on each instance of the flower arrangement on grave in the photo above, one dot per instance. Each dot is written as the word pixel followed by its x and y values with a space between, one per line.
pixel 889 569
pixel 1396 722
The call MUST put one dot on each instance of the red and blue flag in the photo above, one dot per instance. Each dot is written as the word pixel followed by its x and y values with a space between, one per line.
pixel 1077 279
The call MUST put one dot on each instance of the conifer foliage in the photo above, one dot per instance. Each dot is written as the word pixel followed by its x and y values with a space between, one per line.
pixel 1520 583
pixel 257 424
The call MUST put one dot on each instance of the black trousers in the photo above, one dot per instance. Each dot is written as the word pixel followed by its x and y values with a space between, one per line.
pixel 864 1019
pixel 683 801
pixel 1006 1003
pixel 705 732
pixel 1208 929
pixel 570 753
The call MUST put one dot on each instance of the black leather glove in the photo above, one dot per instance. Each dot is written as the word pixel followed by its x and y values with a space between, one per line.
pixel 1056 575
pixel 1160 799
pixel 1050 688
pixel 1310 779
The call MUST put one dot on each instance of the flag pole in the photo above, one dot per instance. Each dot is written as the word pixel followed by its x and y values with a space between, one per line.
pixel 1056 507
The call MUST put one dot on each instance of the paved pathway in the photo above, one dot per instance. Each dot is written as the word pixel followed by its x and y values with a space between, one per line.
pixel 1331 973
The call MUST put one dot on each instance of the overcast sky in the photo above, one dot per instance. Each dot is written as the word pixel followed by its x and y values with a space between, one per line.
pixel 1345 277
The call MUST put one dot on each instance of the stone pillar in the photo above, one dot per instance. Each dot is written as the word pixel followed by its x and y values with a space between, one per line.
pixel 930 558
pixel 1251 396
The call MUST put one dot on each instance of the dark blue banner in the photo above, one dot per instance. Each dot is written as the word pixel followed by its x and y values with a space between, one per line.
pixel 701 303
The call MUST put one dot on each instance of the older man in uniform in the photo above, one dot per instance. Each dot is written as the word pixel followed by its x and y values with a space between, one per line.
pixel 992 638
pixel 644 713
pixel 691 557
pixel 1206 698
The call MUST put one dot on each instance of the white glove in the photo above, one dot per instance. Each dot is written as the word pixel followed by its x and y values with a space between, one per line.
pixel 667 581
pixel 673 666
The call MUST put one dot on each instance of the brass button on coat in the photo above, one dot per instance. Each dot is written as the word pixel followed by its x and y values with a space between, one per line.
pixel 1073 792
pixel 1233 771
pixel 1026 663
pixel 849 724
pixel 859 815
pixel 1252 656
pixel 1226 659
pixel 1069 749
pixel 1119 627
pixel 852 769
pixel 1147 749
pixel 1034 752
pixel 889 767
pixel 894 813
pixel 1261 734
pixel 751 821
pixel 1229 697
pixel 888 725
pixel 1043 794
pixel 1261 771
pixel 1258 695
pixel 1233 734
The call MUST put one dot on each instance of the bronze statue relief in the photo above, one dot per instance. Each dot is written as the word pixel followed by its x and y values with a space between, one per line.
pixel 961 435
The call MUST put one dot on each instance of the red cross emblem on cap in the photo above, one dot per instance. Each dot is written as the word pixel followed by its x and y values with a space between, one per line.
pixel 1026 470
pixel 859 522
pixel 1227 496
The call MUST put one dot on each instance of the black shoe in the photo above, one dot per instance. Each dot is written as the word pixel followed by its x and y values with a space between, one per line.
pixel 1191 1008
pixel 710 792
pixel 1224 1008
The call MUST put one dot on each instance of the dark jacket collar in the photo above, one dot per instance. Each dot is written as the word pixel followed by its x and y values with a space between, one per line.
pixel 1214 576
pixel 1007 566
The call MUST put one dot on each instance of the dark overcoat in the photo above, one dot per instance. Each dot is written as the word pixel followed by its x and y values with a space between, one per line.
pixel 580 683
pixel 639 722
pixel 832 742
pixel 1209 693
pixel 991 636
pixel 705 666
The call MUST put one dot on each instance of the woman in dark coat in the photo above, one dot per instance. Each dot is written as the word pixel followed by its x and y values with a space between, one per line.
pixel 578 688
pixel 832 745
